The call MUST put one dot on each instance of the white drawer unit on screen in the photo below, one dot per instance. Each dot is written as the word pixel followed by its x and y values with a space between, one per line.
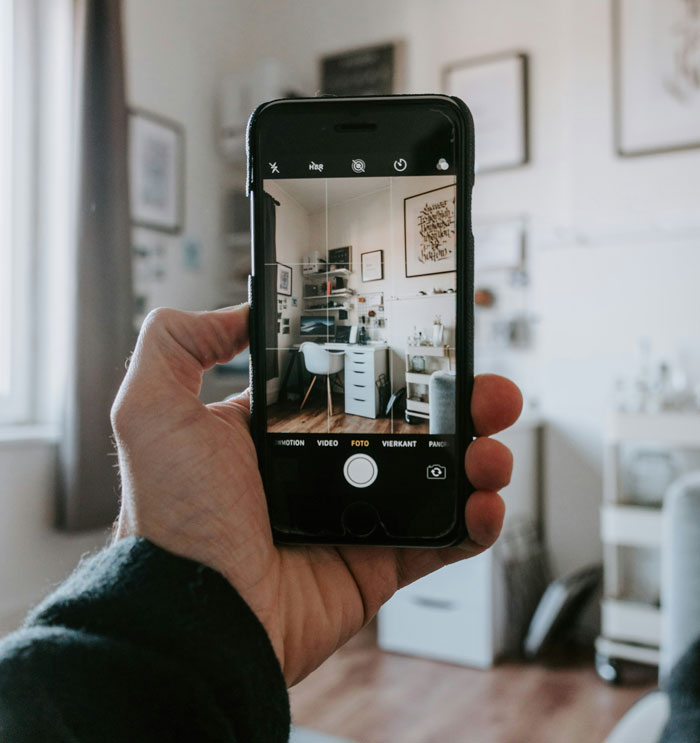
pixel 363 367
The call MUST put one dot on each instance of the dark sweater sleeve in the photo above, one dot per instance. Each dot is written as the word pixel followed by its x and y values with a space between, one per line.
pixel 141 645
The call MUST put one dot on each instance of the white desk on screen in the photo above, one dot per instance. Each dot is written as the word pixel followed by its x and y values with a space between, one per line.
pixel 364 364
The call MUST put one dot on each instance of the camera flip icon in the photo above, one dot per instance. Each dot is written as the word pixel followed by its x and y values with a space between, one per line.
pixel 436 472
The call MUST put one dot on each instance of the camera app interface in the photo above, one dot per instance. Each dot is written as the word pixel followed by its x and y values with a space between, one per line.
pixel 361 294
pixel 360 308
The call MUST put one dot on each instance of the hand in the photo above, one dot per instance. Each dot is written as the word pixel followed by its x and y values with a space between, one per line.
pixel 190 484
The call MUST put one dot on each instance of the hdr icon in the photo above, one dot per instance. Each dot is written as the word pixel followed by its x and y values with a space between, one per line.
pixel 316 166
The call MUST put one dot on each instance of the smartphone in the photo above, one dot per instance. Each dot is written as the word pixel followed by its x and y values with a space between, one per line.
pixel 361 326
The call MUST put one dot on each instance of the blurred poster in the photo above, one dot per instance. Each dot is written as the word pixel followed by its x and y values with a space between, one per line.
pixel 657 60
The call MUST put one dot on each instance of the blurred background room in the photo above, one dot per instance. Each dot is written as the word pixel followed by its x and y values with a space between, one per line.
pixel 122 188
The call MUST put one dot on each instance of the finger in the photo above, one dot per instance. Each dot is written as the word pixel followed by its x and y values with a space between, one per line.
pixel 237 406
pixel 496 404
pixel 484 514
pixel 240 399
pixel 181 345
pixel 489 464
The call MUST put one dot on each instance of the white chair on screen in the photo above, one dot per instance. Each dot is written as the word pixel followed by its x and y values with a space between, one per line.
pixel 321 362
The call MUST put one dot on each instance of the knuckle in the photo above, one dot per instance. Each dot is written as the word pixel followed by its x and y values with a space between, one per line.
pixel 157 319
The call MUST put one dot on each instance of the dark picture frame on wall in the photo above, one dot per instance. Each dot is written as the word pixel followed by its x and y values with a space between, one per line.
pixel 340 257
pixel 430 232
pixel 372 266
pixel 284 280
pixel 495 88
pixel 656 96
pixel 156 171
pixel 368 70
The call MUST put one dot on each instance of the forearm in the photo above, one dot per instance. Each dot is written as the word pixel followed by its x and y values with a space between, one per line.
pixel 141 645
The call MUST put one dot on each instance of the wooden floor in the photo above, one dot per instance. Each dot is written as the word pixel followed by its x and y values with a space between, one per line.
pixel 314 418
pixel 365 695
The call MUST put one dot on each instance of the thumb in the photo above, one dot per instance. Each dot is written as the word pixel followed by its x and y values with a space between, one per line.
pixel 177 347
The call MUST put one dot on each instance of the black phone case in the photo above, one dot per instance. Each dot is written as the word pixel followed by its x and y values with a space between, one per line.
pixel 465 341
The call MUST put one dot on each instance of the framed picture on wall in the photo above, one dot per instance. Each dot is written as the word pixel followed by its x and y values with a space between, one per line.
pixel 340 257
pixel 372 265
pixel 656 76
pixel 284 280
pixel 496 90
pixel 156 171
pixel 429 232
pixel 499 245
pixel 370 70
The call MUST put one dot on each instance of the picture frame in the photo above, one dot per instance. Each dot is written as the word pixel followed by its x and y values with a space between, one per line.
pixel 156 171
pixel 430 245
pixel 367 70
pixel 341 257
pixel 495 88
pixel 372 266
pixel 656 98
pixel 284 280
pixel 500 244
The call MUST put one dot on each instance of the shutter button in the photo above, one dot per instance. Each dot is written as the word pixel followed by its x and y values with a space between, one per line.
pixel 360 470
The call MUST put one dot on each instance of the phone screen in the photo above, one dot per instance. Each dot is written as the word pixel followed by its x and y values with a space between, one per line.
pixel 360 257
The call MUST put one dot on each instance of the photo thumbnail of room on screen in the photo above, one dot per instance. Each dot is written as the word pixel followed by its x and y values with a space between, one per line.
pixel 360 289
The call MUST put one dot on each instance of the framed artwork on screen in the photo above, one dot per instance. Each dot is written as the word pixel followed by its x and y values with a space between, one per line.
pixel 430 231
pixel 372 265
pixel 284 280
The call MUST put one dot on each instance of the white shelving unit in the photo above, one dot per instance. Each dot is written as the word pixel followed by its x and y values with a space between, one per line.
pixel 417 403
pixel 631 629
pixel 346 294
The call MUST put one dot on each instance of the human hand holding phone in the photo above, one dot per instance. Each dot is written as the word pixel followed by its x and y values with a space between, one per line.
pixel 191 484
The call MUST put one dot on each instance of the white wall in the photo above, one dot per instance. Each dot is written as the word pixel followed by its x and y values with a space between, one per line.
pixel 175 54
pixel 34 557
pixel 593 299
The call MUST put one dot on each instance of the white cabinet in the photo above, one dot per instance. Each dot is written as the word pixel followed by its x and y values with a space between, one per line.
pixel 631 531
pixel 457 614
pixel 364 365
pixel 446 616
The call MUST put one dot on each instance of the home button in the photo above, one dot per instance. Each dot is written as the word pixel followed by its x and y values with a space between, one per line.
pixel 360 519
pixel 360 470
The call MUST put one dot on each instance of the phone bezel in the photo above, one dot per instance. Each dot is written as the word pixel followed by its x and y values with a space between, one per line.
pixel 464 132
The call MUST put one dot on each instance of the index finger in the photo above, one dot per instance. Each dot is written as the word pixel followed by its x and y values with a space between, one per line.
pixel 496 404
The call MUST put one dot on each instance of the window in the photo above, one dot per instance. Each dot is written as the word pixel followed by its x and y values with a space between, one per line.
pixel 6 71
pixel 35 204
pixel 16 179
